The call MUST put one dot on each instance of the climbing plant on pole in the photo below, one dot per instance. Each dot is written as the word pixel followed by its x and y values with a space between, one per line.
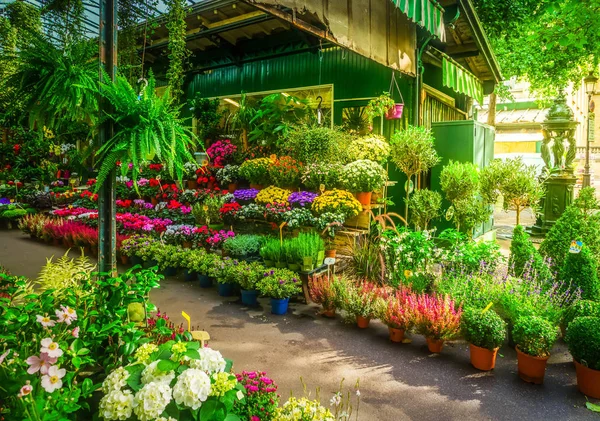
pixel 178 51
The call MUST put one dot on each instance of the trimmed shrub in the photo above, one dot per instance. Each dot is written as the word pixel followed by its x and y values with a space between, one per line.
pixel 483 329
pixel 583 338
pixel 582 308
pixel 534 335
pixel 525 258
pixel 581 270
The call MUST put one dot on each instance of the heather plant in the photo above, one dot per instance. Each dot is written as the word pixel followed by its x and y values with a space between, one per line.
pixel 436 317
pixel 534 335
pixel 396 311
pixel 359 299
pixel 581 270
pixel 322 291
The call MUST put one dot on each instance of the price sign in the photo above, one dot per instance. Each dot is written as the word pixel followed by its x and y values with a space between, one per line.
pixel 329 261
pixel 576 247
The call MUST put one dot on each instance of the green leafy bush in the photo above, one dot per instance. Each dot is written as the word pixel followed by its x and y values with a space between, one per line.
pixel 534 336
pixel 581 270
pixel 581 308
pixel 583 339
pixel 271 250
pixel 279 284
pixel 525 257
pixel 579 221
pixel 484 329
pixel 424 206
pixel 243 245
pixel 363 176
pixel 467 256
pixel 317 143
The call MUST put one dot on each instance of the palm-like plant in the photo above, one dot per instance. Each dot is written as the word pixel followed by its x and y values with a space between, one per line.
pixel 58 84
pixel 145 126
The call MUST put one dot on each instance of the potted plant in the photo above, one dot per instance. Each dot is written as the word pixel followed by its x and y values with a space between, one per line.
pixel 228 176
pixel 220 272
pixel 285 172
pixel 220 152
pixel 363 177
pixel 272 196
pixel 271 252
pixel 292 253
pixel 249 275
pixel 372 147
pixel 438 319
pixel 322 291
pixel 359 302
pixel 534 338
pixel 317 174
pixel 279 285
pixel 243 246
pixel 256 171
pixel 583 339
pixel 396 312
pixel 336 201
pixel 380 106
pixel 205 263
pixel 329 223
pixel 485 331
pixel 190 169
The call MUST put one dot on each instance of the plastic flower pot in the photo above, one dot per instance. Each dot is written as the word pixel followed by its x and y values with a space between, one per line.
pixel 279 305
pixel 435 345
pixel 205 281
pixel 169 271
pixel 281 265
pixel 531 369
pixel 362 322
pixel 124 259
pixel 250 298
pixel 331 253
pixel 135 260
pixel 226 289
pixel 395 112
pixel 365 199
pixel 150 263
pixel 268 263
pixel 189 275
pixel 328 312
pixel 192 184
pixel 293 266
pixel 482 358
pixel 588 380
pixel 396 335
pixel 320 258
pixel 232 187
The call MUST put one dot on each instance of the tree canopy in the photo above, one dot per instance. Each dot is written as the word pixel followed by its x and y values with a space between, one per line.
pixel 548 42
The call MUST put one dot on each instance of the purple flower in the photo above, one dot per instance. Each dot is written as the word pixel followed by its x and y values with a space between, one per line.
pixel 271 272
pixel 302 198
pixel 4 201
pixel 245 194
pixel 280 282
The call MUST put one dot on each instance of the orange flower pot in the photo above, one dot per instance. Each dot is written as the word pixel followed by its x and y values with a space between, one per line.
pixel 531 369
pixel 232 187
pixel 588 380
pixel 362 322
pixel 435 345
pixel 482 358
pixel 124 259
pixel 192 184
pixel 365 199
pixel 154 201
pixel 396 335
pixel 256 186
pixel 330 313
pixel 330 253
pixel 187 244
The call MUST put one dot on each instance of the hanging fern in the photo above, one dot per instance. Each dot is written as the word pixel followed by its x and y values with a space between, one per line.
pixel 144 127
pixel 58 84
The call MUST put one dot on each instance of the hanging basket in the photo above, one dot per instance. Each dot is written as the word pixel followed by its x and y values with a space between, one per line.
pixel 395 113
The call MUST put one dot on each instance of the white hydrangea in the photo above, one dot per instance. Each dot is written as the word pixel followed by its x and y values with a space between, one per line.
pixel 210 361
pixel 192 388
pixel 115 380
pixel 152 399
pixel 152 374
pixel 116 405
pixel 165 419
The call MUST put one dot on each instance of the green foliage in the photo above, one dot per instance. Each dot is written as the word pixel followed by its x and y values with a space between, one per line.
pixel 583 338
pixel 366 261
pixel 406 255
pixel 581 221
pixel 377 107
pixel 484 329
pixel 309 144
pixel 534 336
pixel 412 150
pixel 144 128
pixel 524 257
pixel 279 283
pixel 243 245
pixel 581 269
pixel 581 308
pixel 58 83
pixel 272 250
pixel 424 205
pixel 64 273
pixel 274 118
pixel 178 52
pixel 465 256
pixel 206 112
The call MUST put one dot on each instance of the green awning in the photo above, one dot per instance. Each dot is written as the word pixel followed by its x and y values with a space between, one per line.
pixel 426 13
pixel 461 80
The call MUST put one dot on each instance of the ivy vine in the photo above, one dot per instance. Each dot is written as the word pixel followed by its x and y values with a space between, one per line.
pixel 178 52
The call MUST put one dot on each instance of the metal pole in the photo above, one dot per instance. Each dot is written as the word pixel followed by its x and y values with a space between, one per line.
pixel 586 168
pixel 107 224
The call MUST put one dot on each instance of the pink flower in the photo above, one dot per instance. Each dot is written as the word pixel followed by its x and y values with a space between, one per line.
pixel 45 321
pixel 51 348
pixel 52 380
pixel 254 418
pixel 66 315
pixel 25 390
pixel 75 332
pixel 41 363
pixel 3 356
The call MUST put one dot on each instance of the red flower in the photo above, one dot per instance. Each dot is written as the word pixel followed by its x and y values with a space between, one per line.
pixel 17 148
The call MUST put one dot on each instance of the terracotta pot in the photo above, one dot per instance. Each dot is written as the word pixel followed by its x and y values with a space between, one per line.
pixel 482 358
pixel 435 345
pixel 56 242
pixel 187 244
pixel 531 369
pixel 256 186
pixel 232 187
pixel 330 253
pixel 154 201
pixel 86 250
pixel 365 199
pixel 328 313
pixel 588 380
pixel 124 259
pixel 396 335
pixel 362 322
pixel 192 184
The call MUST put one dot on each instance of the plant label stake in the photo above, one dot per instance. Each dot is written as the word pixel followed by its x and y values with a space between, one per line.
pixel 197 335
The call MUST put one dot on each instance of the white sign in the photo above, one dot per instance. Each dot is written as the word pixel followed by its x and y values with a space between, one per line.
pixel 329 261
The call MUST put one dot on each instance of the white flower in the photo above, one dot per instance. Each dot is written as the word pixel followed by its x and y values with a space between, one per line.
pixel 210 361
pixel 152 399
pixel 357 392
pixel 165 419
pixel 192 388
pixel 51 348
pixel 52 380
pixel 116 380
pixel 45 321
pixel 152 374
pixel 116 405
pixel 66 315
pixel 25 390
pixel 336 400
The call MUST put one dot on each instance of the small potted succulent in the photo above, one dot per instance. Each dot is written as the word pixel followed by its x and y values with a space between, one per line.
pixel 534 338
pixel 280 285
pixel 583 339
pixel 485 331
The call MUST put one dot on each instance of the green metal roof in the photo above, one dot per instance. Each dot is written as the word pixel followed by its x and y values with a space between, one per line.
pixel 426 13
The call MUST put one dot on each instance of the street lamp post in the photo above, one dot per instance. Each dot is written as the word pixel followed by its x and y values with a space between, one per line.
pixel 590 87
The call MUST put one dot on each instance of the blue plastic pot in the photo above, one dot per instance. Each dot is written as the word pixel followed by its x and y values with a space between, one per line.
pixel 205 281
pixel 169 271
pixel 279 306
pixel 150 264
pixel 189 276
pixel 136 260
pixel 249 298
pixel 226 290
